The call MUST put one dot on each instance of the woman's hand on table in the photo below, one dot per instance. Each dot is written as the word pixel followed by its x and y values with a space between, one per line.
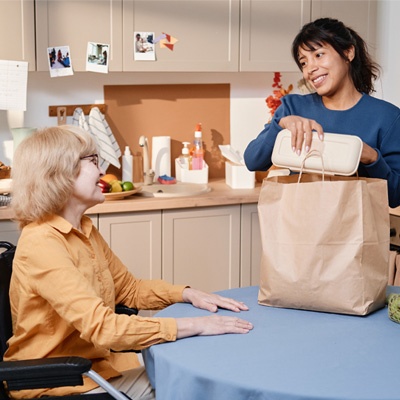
pixel 210 301
pixel 211 325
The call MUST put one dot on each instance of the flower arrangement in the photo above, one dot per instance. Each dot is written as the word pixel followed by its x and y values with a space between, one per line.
pixel 274 100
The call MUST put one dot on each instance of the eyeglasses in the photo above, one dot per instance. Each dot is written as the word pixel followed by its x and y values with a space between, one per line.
pixel 94 158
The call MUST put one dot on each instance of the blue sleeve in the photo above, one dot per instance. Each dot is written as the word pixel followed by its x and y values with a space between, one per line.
pixel 257 155
pixel 388 164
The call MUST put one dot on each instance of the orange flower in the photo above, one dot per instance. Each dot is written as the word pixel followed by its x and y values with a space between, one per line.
pixel 274 101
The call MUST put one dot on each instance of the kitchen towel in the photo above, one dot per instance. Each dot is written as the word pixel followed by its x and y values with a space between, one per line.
pixel 108 146
pixel 79 119
pixel 325 243
pixel 161 156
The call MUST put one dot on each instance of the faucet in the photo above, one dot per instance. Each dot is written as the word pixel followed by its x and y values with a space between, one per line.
pixel 148 174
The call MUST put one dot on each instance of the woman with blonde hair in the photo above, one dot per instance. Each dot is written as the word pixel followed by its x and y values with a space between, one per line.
pixel 66 281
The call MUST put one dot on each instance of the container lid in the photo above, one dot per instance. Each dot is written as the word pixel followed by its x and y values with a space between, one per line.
pixel 340 154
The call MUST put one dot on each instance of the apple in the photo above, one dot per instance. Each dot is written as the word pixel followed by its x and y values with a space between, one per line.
pixel 109 177
pixel 104 186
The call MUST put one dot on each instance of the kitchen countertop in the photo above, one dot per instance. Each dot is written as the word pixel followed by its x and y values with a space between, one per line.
pixel 221 194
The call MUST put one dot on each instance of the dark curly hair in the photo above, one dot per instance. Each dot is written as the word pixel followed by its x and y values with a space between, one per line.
pixel 363 70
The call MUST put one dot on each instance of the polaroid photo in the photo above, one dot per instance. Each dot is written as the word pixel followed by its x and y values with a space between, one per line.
pixel 144 49
pixel 59 61
pixel 97 57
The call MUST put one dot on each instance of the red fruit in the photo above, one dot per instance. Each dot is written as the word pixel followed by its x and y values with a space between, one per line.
pixel 104 186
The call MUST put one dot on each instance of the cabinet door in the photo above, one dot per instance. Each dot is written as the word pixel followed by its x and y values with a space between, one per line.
pixel 74 24
pixel 207 33
pixel 251 249
pixel 136 239
pixel 268 28
pixel 359 15
pixel 17 31
pixel 201 247
pixel 9 231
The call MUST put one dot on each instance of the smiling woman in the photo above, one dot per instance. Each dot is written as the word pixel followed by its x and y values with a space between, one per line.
pixel 335 62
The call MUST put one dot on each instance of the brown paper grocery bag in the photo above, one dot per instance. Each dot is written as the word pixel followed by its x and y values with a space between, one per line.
pixel 325 243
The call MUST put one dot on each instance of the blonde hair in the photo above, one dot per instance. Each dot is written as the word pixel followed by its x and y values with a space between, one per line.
pixel 44 169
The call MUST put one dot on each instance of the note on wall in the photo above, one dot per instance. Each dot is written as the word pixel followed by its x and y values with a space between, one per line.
pixel 13 85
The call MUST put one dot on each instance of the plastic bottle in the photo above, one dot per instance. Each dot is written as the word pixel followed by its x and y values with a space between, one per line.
pixel 197 150
pixel 184 158
pixel 127 166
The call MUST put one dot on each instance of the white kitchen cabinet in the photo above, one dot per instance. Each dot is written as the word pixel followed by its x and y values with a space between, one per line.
pixel 209 248
pixel 74 24
pixel 207 33
pixel 17 31
pixel 360 15
pixel 201 247
pixel 268 28
pixel 9 231
pixel 136 239
pixel 250 246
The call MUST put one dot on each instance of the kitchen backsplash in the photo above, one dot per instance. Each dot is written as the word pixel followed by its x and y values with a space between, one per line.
pixel 171 110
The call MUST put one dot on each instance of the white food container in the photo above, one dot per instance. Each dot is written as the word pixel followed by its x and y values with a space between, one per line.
pixel 237 176
pixel 340 154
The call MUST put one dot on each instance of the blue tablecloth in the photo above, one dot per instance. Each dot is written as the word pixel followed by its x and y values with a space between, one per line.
pixel 290 354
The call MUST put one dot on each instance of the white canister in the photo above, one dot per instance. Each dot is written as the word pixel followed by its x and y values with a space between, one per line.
pixel 161 156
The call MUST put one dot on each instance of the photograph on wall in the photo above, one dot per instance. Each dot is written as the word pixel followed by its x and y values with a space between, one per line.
pixel 59 61
pixel 144 46
pixel 97 57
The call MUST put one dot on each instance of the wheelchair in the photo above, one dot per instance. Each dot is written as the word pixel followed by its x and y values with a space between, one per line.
pixel 49 372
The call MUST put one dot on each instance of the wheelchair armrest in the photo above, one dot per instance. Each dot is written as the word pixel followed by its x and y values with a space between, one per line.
pixel 44 373
pixel 121 309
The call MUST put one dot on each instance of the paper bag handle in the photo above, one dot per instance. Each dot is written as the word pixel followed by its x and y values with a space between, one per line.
pixel 310 154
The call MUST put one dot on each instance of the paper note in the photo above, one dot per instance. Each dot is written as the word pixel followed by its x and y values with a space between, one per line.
pixel 168 41
pixel 13 84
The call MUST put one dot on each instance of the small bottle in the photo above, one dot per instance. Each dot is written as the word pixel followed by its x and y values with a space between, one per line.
pixel 197 150
pixel 184 158
pixel 127 166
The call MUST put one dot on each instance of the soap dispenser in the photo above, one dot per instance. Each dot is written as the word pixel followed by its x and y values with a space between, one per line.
pixel 127 165
pixel 184 158
pixel 197 152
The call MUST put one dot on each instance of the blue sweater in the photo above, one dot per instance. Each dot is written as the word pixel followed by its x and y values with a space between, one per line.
pixel 375 122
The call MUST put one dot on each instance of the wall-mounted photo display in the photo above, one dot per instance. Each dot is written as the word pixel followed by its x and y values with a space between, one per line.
pixel 144 49
pixel 97 57
pixel 60 63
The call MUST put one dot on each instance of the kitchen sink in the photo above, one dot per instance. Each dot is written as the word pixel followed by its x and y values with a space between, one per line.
pixel 179 189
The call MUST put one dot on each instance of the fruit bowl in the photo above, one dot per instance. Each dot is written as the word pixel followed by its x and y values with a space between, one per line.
pixel 121 195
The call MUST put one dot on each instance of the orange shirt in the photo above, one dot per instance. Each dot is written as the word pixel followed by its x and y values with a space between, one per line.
pixel 64 288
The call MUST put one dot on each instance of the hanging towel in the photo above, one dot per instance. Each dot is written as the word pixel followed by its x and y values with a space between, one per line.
pixel 78 118
pixel 108 146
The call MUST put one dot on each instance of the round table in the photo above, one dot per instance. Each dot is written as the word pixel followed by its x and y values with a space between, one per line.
pixel 290 354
